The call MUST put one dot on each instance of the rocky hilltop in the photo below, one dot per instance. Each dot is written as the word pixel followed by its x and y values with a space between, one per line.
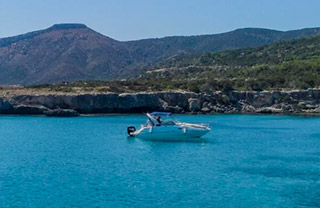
pixel 286 102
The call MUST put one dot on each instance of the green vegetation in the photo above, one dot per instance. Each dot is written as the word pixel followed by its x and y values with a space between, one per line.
pixel 277 53
pixel 291 64
pixel 285 65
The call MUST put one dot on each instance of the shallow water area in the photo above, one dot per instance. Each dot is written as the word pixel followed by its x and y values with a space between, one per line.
pixel 245 161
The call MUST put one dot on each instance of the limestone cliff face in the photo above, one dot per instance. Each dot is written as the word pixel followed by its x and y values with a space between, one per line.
pixel 107 103
pixel 5 106
pixel 303 101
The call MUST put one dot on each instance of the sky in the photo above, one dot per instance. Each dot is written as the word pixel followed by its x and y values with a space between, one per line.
pixel 138 19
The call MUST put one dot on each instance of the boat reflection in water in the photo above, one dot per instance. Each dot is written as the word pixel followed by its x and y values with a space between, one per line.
pixel 168 130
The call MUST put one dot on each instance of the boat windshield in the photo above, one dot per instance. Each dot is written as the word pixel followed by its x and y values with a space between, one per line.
pixel 154 119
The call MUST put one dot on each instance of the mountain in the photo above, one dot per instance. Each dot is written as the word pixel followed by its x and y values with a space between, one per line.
pixel 60 53
pixel 70 52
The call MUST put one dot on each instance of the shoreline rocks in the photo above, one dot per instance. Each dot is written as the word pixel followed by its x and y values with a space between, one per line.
pixel 270 102
pixel 22 109
pixel 61 113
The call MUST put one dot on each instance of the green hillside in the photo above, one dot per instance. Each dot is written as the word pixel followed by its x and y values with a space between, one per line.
pixel 286 65
pixel 291 64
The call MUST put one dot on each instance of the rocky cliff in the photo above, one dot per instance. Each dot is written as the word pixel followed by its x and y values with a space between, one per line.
pixel 287 102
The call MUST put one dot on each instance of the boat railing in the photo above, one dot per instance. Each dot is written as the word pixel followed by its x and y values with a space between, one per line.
pixel 197 125
pixel 205 124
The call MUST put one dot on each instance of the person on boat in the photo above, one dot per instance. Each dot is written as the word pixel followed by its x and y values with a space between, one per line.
pixel 159 121
pixel 149 123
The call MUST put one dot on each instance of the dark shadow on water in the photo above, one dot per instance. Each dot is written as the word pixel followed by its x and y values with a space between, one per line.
pixel 287 159
pixel 279 172
pixel 303 194
pixel 303 190
pixel 315 135
pixel 314 153
pixel 131 140
pixel 283 172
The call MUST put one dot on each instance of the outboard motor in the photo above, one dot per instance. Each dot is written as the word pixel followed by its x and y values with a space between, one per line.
pixel 130 130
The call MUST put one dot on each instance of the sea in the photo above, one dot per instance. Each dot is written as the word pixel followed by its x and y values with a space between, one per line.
pixel 88 161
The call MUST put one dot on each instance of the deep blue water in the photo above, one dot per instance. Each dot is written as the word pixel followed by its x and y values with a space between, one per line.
pixel 246 161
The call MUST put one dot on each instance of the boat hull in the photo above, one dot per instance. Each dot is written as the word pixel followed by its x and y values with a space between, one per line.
pixel 170 133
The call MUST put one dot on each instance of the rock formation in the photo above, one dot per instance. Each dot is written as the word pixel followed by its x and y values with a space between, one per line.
pixel 286 102
pixel 61 113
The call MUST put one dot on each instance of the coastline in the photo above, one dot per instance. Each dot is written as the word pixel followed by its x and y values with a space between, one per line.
pixel 295 102
pixel 302 115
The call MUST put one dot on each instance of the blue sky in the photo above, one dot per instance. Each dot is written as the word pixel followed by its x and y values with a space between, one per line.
pixel 138 19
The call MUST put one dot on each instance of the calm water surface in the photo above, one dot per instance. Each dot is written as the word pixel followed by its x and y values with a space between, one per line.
pixel 246 161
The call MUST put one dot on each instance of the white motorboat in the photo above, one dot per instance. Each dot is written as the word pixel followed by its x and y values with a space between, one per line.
pixel 157 129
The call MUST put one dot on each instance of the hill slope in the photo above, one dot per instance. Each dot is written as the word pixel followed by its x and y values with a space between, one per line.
pixel 60 53
pixel 284 65
pixel 293 64
pixel 70 52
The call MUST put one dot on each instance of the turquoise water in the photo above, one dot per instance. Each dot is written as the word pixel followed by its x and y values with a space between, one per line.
pixel 246 161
